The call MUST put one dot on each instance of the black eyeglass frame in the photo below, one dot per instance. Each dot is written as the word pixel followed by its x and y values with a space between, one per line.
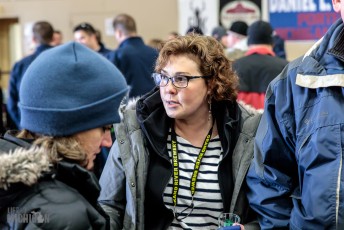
pixel 188 78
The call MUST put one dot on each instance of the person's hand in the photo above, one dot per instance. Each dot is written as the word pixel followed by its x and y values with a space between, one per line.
pixel 233 227
pixel 241 226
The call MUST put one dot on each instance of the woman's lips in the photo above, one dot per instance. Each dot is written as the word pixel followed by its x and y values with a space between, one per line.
pixel 171 104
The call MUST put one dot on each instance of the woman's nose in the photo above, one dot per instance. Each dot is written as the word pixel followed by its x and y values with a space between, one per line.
pixel 107 140
pixel 170 87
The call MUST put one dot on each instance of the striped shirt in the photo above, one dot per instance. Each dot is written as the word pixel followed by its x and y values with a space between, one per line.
pixel 207 199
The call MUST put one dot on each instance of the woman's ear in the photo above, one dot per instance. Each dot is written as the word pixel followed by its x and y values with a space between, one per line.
pixel 336 5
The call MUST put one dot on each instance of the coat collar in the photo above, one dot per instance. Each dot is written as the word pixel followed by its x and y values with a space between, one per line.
pixel 322 65
pixel 155 123
pixel 338 47
pixel 260 50
pixel 153 120
pixel 132 41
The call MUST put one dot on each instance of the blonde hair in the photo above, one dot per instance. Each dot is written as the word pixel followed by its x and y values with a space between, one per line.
pixel 208 53
pixel 58 148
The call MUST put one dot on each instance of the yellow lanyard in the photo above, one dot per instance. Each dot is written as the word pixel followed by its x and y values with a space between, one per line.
pixel 175 164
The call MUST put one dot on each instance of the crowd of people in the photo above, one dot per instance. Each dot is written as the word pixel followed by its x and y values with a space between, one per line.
pixel 188 127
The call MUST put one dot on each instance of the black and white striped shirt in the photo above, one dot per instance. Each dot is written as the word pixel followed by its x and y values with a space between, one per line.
pixel 207 199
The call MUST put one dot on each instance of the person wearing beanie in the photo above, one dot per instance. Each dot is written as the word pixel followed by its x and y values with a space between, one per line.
pixel 239 27
pixel 220 34
pixel 70 97
pixel 259 66
pixel 237 40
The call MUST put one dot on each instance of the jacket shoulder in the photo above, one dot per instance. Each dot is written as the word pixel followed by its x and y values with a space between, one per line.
pixel 61 207
pixel 250 118
pixel 128 114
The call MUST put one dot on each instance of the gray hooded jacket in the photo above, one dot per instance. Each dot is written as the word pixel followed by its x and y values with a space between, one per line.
pixel 124 178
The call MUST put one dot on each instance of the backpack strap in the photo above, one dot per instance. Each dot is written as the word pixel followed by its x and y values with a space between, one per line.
pixel 12 142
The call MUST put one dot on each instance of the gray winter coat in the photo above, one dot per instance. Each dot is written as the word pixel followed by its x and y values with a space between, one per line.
pixel 124 178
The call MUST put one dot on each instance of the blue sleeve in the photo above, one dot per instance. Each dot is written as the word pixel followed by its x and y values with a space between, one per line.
pixel 13 93
pixel 112 57
pixel 272 176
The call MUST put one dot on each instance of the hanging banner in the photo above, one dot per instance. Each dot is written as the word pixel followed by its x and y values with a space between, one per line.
pixel 198 13
pixel 301 19
pixel 243 10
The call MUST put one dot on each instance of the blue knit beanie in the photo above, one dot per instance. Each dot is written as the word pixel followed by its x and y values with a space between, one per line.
pixel 69 89
pixel 260 32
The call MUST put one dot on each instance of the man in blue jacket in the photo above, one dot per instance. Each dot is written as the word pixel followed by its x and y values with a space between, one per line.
pixel 132 57
pixel 42 36
pixel 296 177
pixel 85 34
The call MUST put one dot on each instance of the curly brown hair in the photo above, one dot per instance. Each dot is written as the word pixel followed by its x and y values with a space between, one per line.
pixel 208 53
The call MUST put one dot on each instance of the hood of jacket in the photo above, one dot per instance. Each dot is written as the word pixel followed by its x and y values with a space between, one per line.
pixel 19 169
pixel 153 119
pixel 22 168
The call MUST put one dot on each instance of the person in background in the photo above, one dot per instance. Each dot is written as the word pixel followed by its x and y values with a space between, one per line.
pixel 259 66
pixel 278 46
pixel 172 35
pixel 101 43
pixel 220 34
pixel 155 43
pixel 296 177
pixel 45 169
pixel 85 34
pixel 42 36
pixel 194 30
pixel 57 38
pixel 132 57
pixel 192 116
pixel 100 160
pixel 237 40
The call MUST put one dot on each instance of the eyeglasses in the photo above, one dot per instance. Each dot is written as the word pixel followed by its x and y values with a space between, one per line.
pixel 179 81
pixel 108 128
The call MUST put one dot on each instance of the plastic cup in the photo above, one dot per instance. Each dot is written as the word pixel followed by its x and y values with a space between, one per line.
pixel 228 219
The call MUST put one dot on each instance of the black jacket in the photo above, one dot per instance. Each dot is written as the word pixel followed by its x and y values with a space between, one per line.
pixel 63 197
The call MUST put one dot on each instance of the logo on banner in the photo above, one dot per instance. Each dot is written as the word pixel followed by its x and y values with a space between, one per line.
pixel 246 11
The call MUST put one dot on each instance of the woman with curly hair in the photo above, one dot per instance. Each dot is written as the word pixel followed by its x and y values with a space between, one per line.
pixel 182 151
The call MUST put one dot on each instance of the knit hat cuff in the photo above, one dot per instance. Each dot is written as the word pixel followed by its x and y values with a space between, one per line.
pixel 65 122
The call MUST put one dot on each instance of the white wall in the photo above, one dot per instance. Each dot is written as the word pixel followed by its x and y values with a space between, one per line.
pixel 155 18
